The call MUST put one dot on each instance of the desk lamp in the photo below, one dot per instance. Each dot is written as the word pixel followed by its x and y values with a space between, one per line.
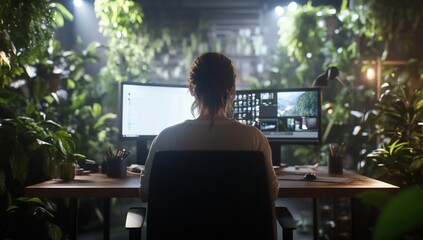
pixel 323 79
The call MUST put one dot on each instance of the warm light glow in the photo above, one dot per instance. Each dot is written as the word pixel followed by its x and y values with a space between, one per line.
pixel 77 3
pixel 329 108
pixel 371 74
pixel 292 6
pixel 279 10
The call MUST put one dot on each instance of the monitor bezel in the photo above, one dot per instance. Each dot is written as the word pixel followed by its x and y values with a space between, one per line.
pixel 293 141
pixel 120 107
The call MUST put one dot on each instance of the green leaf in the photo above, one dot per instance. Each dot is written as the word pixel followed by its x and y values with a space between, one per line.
pixel 19 163
pixel 62 147
pixel 62 134
pixel 34 200
pixel 103 118
pixel 96 110
pixel 58 18
pixel 49 99
pixel 53 124
pixel 402 214
pixel 66 14
pixel 78 101
pixel 419 104
pixel 417 164
pixel 71 84
pixel 376 199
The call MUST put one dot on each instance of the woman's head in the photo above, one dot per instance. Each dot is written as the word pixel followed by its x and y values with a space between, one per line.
pixel 212 82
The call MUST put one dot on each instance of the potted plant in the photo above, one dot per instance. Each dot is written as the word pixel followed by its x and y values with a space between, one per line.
pixel 63 154
pixel 397 117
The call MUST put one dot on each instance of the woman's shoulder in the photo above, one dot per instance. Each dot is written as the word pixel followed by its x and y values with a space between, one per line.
pixel 246 128
pixel 176 127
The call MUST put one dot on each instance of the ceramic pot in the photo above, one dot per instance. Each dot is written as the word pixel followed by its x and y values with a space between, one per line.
pixel 67 171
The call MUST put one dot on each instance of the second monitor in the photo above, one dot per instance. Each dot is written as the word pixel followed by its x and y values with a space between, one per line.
pixel 290 116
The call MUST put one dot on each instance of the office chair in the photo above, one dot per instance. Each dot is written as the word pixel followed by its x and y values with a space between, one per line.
pixel 209 195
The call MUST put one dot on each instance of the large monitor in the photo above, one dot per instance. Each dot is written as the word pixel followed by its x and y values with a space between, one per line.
pixel 146 109
pixel 289 116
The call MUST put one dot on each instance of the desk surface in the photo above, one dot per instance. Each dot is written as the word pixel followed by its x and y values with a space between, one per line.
pixel 92 185
pixel 98 185
pixel 310 189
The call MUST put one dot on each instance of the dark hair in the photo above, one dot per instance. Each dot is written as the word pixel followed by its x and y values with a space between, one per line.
pixel 211 81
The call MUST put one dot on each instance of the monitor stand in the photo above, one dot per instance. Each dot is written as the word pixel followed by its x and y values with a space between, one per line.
pixel 142 151
pixel 276 152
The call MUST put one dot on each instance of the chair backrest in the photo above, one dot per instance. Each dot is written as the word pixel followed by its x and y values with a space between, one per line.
pixel 210 195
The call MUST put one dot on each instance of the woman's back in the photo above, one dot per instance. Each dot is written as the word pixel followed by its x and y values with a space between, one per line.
pixel 224 135
pixel 212 83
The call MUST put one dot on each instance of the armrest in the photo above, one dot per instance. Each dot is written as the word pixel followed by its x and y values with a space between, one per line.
pixel 287 222
pixel 134 221
pixel 135 217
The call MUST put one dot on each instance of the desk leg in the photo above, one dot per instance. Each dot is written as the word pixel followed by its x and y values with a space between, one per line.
pixel 354 218
pixel 315 218
pixel 73 207
pixel 106 215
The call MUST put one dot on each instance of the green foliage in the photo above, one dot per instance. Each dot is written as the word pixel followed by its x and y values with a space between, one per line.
pixel 77 98
pixel 25 29
pixel 397 221
pixel 317 37
pixel 32 214
pixel 396 119
pixel 42 89
pixel 27 149
pixel 144 49
pixel 396 21
pixel 398 163
pixel 400 215
pixel 120 22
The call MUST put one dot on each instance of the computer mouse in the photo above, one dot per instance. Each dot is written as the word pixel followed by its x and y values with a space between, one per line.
pixel 310 176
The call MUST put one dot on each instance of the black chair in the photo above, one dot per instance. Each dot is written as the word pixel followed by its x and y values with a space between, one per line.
pixel 209 195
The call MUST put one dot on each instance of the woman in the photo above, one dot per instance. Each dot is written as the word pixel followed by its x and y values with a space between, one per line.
pixel 212 83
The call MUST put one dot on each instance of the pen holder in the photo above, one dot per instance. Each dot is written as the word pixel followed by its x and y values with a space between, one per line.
pixel 335 164
pixel 116 167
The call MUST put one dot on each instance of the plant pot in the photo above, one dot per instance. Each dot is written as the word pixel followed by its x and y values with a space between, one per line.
pixel 67 171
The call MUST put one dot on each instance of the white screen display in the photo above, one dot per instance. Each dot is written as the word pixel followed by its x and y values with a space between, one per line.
pixel 148 109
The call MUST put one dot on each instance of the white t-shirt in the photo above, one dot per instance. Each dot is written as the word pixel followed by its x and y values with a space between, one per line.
pixel 197 135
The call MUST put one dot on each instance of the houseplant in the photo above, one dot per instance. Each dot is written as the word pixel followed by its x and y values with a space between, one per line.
pixel 63 154
pixel 395 122
pixel 26 159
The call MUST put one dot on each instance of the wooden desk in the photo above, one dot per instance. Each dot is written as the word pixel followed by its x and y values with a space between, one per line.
pixel 94 185
pixel 100 186
pixel 316 189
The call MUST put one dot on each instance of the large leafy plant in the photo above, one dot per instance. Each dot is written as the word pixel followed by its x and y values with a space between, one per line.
pixel 41 88
pixel 25 28
pixel 27 151
pixel 397 116
pixel 77 101
pixel 398 163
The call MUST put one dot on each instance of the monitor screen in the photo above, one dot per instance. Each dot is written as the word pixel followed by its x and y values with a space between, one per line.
pixel 285 115
pixel 146 109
